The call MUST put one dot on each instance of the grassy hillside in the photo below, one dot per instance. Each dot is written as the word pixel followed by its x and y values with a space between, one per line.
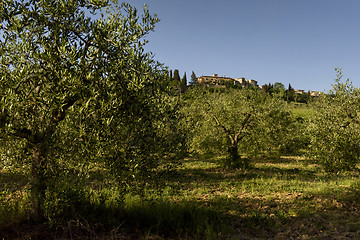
pixel 284 198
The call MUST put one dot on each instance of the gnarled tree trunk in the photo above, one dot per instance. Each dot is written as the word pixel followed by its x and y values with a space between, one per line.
pixel 38 182
pixel 233 150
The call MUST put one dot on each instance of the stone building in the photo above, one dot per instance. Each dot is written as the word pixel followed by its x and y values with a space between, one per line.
pixel 315 93
pixel 216 81
pixel 299 91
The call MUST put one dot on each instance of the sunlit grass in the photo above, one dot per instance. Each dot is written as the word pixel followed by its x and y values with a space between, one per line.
pixel 301 109
pixel 276 191
pixel 274 198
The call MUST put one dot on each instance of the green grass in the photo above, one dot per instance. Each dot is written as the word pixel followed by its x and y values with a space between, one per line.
pixel 284 198
pixel 301 109
pixel 274 196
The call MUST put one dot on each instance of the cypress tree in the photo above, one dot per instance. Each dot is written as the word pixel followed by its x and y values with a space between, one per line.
pixel 290 94
pixel 176 75
pixel 171 75
pixel 184 79
pixel 193 79
pixel 183 84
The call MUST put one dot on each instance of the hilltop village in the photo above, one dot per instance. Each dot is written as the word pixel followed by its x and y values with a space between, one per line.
pixel 215 81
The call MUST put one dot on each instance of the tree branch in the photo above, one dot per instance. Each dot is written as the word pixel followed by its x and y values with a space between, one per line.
pixel 227 131
pixel 245 123
pixel 59 115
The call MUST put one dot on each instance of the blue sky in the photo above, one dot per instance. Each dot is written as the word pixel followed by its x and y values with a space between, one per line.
pixel 287 41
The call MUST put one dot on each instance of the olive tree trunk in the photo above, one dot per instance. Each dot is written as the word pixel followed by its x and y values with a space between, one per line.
pixel 38 181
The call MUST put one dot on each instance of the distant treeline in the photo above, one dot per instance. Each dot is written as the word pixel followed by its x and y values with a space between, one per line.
pixel 278 89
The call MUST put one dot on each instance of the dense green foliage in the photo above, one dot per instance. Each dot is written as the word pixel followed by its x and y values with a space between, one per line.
pixel 76 90
pixel 335 127
pixel 239 121
pixel 289 95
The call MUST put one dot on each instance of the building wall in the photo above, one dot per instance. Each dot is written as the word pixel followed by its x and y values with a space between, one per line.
pixel 213 80
pixel 252 82
pixel 216 80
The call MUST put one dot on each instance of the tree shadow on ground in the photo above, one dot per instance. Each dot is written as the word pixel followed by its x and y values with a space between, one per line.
pixel 329 213
pixel 290 216
pixel 209 170
pixel 138 220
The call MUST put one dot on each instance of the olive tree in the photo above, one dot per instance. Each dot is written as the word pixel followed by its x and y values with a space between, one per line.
pixel 239 122
pixel 76 86
pixel 334 129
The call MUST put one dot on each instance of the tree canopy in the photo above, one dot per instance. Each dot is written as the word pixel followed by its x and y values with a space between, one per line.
pixel 76 89
pixel 238 121
pixel 334 128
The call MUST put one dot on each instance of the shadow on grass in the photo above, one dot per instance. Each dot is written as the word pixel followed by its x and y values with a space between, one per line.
pixel 209 170
pixel 82 214
pixel 291 216
pixel 131 219
pixel 220 217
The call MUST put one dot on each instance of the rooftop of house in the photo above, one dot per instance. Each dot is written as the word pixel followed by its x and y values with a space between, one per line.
pixel 216 76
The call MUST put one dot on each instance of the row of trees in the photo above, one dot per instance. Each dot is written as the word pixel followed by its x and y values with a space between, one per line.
pixel 277 88
pixel 181 84
pixel 288 95
pixel 245 123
